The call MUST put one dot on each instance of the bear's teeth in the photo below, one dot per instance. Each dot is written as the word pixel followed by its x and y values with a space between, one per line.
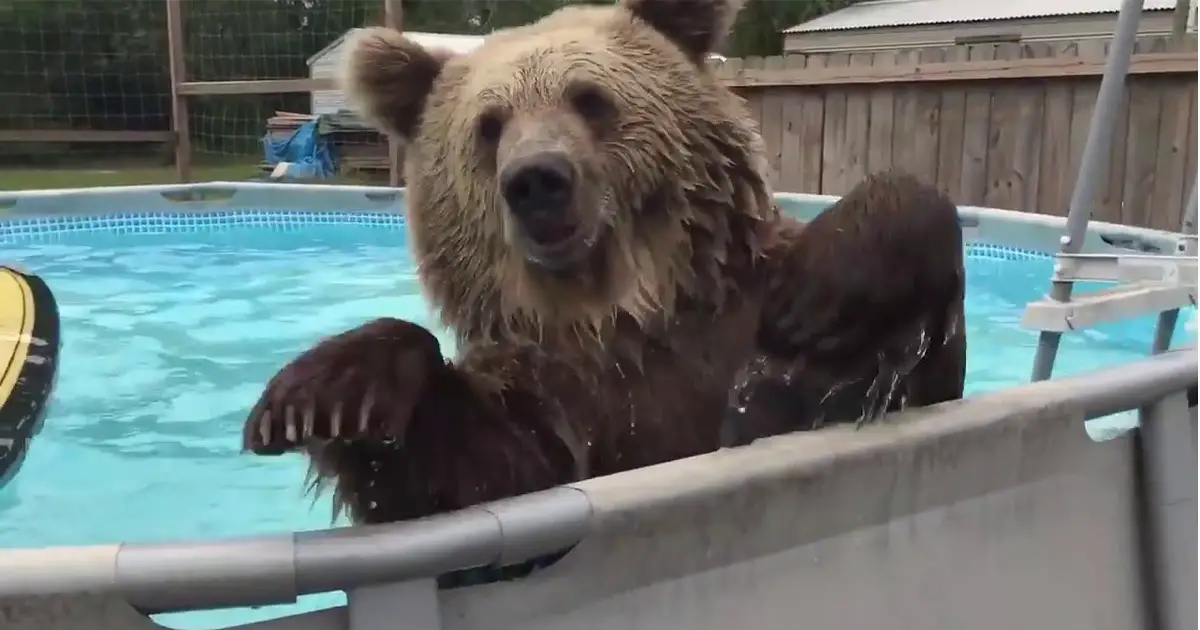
pixel 308 421
pixel 264 427
pixel 289 425
pixel 335 422
pixel 364 411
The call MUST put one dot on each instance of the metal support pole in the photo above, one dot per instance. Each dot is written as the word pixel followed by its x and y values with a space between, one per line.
pixel 1169 492
pixel 394 17
pixel 1189 213
pixel 1164 330
pixel 1092 166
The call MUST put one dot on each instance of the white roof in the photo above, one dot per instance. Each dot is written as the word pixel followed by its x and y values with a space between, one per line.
pixel 460 44
pixel 885 13
pixel 446 41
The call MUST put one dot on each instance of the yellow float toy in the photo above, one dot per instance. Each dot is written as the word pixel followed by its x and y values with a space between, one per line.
pixel 29 347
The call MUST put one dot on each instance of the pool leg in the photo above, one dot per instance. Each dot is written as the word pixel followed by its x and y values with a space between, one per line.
pixel 1092 166
pixel 1169 516
pixel 1164 330
pixel 1168 320
pixel 411 605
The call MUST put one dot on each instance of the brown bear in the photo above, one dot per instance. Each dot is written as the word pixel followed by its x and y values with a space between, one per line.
pixel 881 322
pixel 591 216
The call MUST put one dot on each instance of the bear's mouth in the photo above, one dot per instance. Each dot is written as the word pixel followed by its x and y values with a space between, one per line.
pixel 565 244
pixel 550 234
pixel 559 248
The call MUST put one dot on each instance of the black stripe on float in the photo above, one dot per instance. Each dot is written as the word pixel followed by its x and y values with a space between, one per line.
pixel 23 414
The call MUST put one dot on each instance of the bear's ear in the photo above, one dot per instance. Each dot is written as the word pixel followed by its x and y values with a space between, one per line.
pixel 698 27
pixel 387 78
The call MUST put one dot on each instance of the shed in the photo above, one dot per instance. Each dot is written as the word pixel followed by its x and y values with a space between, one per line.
pixel 326 62
pixel 896 24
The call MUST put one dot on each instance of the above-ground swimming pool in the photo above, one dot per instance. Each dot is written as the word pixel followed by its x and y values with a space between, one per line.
pixel 172 324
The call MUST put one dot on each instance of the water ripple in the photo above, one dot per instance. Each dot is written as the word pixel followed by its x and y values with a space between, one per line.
pixel 168 339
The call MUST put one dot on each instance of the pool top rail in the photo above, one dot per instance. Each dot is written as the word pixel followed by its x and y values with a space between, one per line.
pixel 278 569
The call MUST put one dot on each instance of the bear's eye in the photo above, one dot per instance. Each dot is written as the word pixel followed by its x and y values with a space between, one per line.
pixel 491 125
pixel 592 102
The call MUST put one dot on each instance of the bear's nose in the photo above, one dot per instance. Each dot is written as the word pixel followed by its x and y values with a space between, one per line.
pixel 538 186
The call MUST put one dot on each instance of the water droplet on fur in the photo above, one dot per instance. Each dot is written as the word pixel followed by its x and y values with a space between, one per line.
pixel 833 390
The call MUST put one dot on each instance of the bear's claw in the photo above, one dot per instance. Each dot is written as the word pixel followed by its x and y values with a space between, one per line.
pixel 364 383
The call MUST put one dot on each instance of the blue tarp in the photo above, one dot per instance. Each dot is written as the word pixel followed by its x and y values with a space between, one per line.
pixel 306 151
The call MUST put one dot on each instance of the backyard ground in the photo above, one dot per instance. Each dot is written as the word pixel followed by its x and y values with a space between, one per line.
pixel 33 179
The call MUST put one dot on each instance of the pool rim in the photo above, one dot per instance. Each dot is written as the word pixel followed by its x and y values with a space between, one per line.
pixel 1006 228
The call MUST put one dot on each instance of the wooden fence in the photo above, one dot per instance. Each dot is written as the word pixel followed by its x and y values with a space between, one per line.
pixel 998 125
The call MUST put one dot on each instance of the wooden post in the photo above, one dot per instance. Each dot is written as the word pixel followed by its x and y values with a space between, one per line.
pixel 1179 23
pixel 393 13
pixel 179 105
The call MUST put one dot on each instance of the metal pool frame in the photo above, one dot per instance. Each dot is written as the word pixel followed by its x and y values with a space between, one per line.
pixel 707 542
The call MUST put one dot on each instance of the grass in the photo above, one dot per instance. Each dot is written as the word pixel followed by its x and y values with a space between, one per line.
pixel 54 178
pixel 37 179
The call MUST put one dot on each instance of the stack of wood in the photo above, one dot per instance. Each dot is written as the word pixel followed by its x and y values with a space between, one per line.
pixel 359 149
pixel 282 124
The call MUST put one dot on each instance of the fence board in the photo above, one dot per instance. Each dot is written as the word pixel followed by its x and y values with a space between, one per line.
pixel 1141 146
pixel 858 125
pixel 882 112
pixel 950 132
pixel 1083 99
pixel 1190 167
pixel 1025 173
pixel 1002 127
pixel 833 158
pixel 1055 177
pixel 926 122
pixel 791 174
pixel 973 184
pixel 1164 209
pixel 1108 206
pixel 754 99
pixel 1004 142
pixel 812 159
pixel 771 121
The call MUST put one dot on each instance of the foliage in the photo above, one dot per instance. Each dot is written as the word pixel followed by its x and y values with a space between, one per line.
pixel 103 64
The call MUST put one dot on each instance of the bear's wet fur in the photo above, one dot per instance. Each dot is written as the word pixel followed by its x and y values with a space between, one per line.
pixel 591 216
pixel 877 322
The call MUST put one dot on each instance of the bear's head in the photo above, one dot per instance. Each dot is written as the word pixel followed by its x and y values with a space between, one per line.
pixel 571 172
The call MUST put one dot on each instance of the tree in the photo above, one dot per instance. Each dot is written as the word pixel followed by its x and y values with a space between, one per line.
pixel 102 64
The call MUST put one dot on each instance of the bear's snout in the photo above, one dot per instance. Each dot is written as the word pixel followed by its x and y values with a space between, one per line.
pixel 539 189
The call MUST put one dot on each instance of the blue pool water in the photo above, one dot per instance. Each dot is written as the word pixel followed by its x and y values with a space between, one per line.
pixel 171 328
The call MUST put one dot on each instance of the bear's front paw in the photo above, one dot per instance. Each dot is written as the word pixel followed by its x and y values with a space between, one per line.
pixel 363 383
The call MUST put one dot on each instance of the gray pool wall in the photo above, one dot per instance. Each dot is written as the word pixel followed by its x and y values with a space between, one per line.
pixel 1005 228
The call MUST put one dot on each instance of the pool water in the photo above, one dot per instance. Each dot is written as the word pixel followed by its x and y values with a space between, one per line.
pixel 168 338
